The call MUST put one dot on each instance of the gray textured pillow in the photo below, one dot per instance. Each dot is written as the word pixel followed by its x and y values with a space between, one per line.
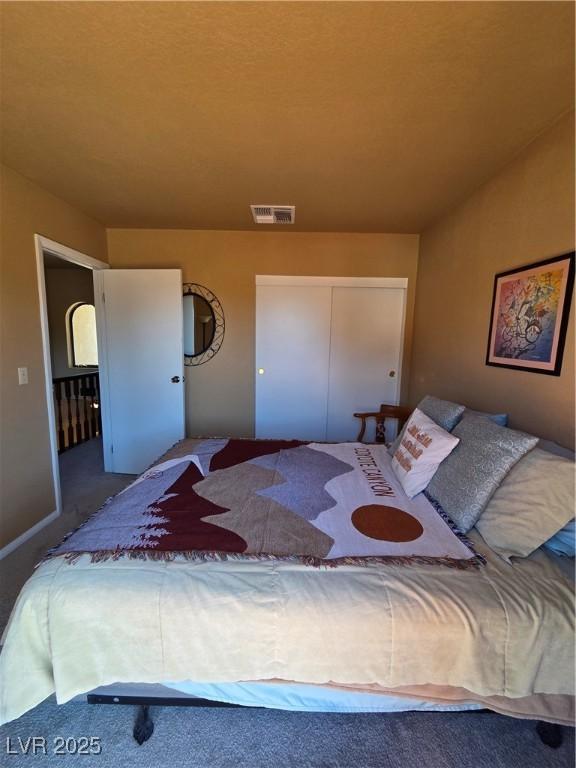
pixel 443 412
pixel 465 481
pixel 498 418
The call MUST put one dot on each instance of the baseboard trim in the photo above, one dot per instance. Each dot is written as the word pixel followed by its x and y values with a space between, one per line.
pixel 9 548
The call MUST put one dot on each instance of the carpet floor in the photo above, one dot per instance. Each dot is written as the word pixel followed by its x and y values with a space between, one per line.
pixel 85 487
pixel 242 738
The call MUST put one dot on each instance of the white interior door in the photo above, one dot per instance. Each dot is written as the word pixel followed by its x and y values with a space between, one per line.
pixel 292 356
pixel 140 325
pixel 365 355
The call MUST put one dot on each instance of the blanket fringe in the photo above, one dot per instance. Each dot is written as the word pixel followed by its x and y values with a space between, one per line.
pixel 202 556
pixel 454 528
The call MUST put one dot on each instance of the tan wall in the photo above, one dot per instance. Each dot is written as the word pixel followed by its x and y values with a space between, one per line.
pixel 26 487
pixel 65 287
pixel 523 215
pixel 220 393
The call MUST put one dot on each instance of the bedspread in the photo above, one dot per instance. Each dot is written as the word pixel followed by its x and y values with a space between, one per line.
pixel 502 630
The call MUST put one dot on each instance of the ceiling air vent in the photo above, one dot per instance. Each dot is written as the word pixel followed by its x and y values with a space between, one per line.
pixel 273 214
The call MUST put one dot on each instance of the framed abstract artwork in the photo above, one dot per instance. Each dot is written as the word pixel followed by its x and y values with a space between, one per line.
pixel 530 309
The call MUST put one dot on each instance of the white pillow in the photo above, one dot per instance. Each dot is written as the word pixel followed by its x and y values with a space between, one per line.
pixel 534 501
pixel 423 447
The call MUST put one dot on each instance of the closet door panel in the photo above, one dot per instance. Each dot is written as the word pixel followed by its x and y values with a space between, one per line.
pixel 365 348
pixel 292 350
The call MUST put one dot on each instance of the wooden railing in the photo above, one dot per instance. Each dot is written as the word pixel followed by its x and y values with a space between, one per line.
pixel 77 405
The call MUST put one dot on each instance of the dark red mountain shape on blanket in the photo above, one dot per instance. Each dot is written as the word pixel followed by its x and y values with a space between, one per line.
pixel 238 451
pixel 186 530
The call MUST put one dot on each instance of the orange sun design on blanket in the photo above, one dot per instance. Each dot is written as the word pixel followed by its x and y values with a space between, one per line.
pixel 379 521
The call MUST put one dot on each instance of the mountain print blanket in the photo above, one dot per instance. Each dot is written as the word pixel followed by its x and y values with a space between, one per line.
pixel 316 502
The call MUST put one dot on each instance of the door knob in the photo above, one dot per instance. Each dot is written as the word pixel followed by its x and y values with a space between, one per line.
pixel 392 374
pixel 175 379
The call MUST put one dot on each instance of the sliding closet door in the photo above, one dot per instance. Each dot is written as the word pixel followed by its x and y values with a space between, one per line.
pixel 365 355
pixel 292 356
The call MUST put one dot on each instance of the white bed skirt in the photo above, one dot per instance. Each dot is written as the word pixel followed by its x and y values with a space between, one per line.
pixel 294 697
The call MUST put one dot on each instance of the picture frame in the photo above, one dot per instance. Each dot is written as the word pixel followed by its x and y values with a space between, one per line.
pixel 529 317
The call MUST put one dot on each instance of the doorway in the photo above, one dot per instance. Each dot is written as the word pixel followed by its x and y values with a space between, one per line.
pixel 73 351
pixel 73 387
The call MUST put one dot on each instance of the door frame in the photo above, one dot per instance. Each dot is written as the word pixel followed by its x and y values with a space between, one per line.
pixel 334 282
pixel 42 246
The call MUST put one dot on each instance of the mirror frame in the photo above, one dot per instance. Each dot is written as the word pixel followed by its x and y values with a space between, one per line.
pixel 218 312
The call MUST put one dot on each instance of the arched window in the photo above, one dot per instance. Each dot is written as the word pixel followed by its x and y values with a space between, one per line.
pixel 82 347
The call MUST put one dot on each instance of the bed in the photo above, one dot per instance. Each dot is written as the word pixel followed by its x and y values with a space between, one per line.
pixel 398 628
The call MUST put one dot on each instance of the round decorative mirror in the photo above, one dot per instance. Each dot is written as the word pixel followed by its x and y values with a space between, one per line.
pixel 203 324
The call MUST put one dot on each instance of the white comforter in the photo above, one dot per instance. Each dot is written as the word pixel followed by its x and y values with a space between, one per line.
pixel 500 630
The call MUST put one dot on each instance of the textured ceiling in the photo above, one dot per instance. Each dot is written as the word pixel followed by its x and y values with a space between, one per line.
pixel 366 116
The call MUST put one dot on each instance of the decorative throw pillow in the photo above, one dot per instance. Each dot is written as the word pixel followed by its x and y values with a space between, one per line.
pixel 443 412
pixel 498 418
pixel 533 503
pixel 467 479
pixel 424 446
pixel 557 450
pixel 564 542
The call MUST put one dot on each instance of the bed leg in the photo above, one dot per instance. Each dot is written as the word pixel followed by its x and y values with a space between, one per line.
pixel 144 726
pixel 550 734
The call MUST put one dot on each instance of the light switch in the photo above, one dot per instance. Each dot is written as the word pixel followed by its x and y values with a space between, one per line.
pixel 22 375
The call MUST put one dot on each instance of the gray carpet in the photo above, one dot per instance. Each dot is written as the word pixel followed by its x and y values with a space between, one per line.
pixel 85 487
pixel 222 738
pixel 241 738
